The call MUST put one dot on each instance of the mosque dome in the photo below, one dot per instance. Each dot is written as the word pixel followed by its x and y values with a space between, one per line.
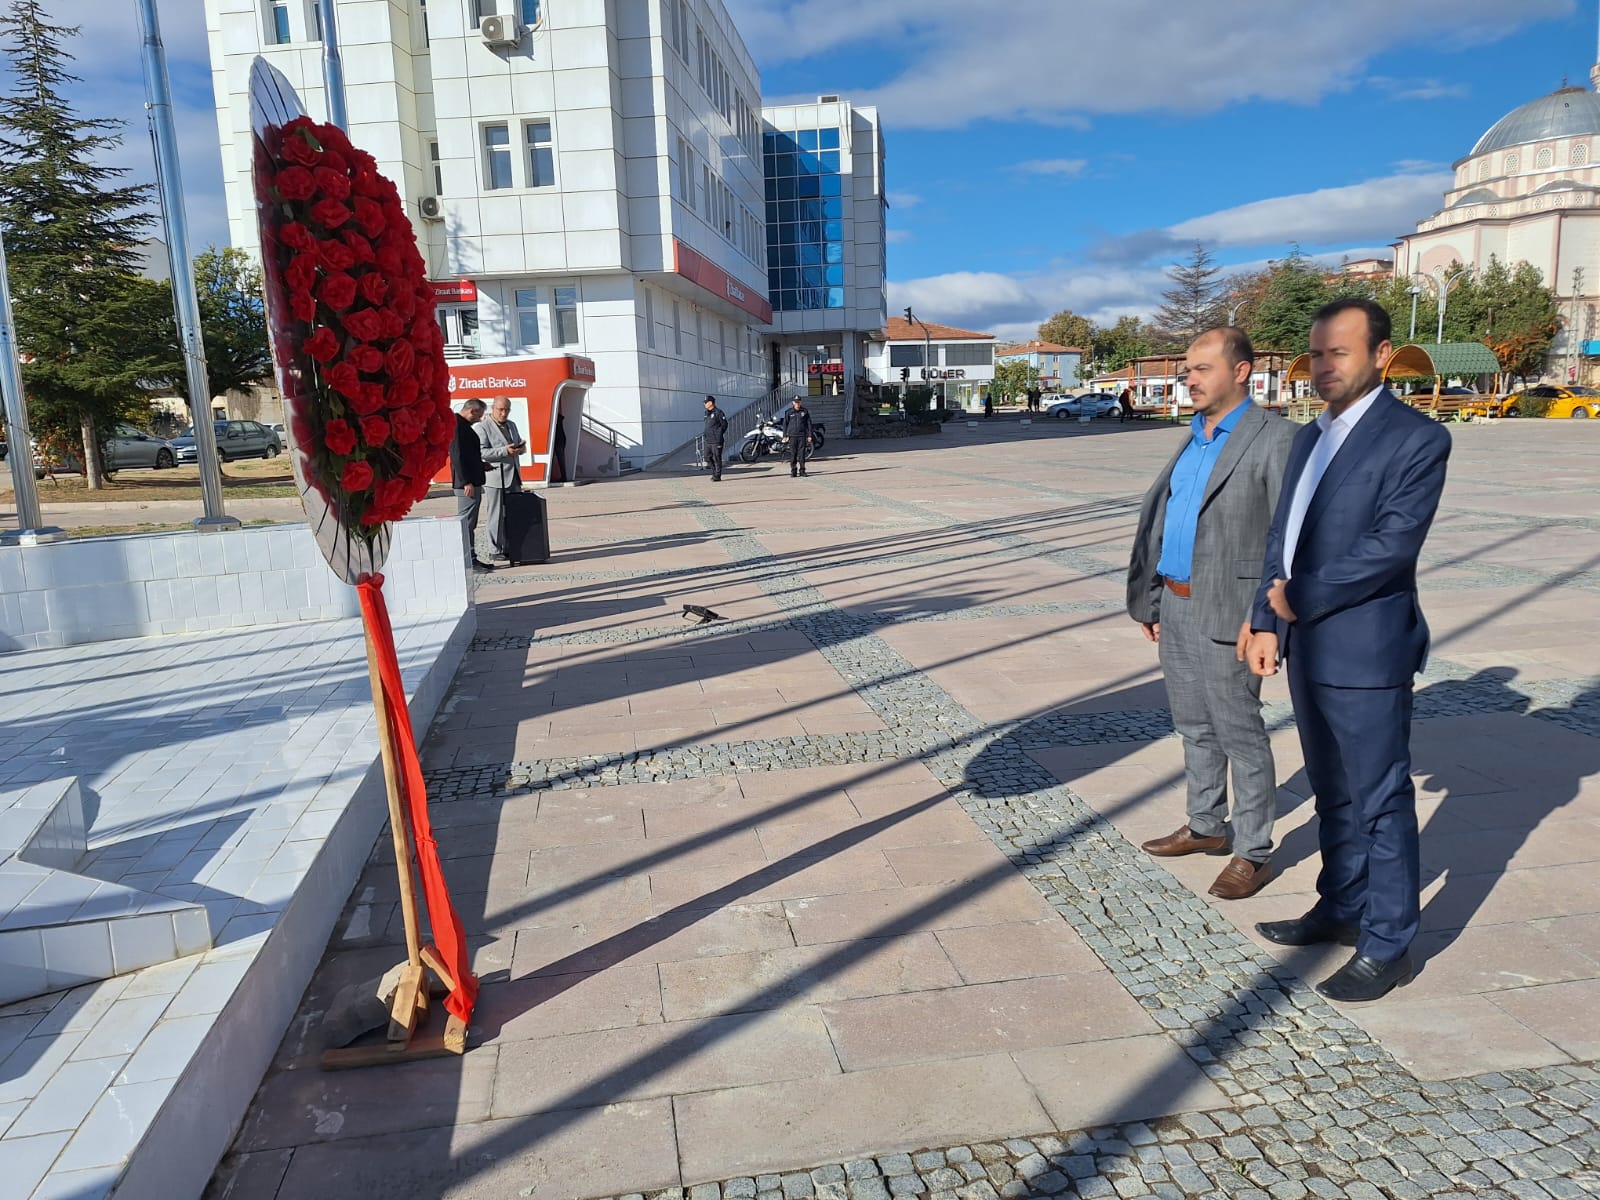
pixel 1566 112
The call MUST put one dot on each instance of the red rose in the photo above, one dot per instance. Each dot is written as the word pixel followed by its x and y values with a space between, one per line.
pixel 357 476
pixel 364 323
pixel 404 304
pixel 334 160
pixel 301 272
pixel 297 149
pixel 334 184
pixel 359 246
pixel 323 345
pixel 390 322
pixel 295 183
pixel 296 236
pixel 404 392
pixel 338 437
pixel 338 291
pixel 364 182
pixel 370 216
pixel 399 359
pixel 366 358
pixel 373 287
pixel 335 256
pixel 392 495
pixel 368 399
pixel 407 427
pixel 345 380
pixel 388 260
pixel 441 427
pixel 414 460
pixel 303 305
pixel 330 214
pixel 374 431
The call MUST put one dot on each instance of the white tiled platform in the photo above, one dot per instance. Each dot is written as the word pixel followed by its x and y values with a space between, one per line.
pixel 235 770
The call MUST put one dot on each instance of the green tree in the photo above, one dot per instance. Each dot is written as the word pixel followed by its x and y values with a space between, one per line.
pixel 1194 302
pixel 1068 329
pixel 1295 290
pixel 71 236
pixel 233 320
pixel 1014 377
pixel 1118 345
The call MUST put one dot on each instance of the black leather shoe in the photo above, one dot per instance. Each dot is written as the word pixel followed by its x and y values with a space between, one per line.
pixel 1363 979
pixel 1309 930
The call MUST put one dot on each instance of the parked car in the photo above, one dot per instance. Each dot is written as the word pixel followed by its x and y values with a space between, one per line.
pixel 235 439
pixel 1574 402
pixel 129 447
pixel 1097 404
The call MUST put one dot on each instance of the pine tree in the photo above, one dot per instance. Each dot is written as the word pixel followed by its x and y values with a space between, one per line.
pixel 1294 292
pixel 1193 304
pixel 71 232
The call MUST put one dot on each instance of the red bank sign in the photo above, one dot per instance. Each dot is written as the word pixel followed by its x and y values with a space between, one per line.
pixel 698 269
pixel 454 291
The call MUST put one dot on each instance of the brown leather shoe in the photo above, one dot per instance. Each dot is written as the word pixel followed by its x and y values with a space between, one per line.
pixel 1241 878
pixel 1184 841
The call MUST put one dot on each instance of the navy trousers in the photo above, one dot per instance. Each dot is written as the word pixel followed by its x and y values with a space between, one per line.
pixel 1357 746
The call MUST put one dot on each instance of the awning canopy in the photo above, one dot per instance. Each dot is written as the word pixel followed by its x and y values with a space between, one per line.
pixel 1299 370
pixel 1428 360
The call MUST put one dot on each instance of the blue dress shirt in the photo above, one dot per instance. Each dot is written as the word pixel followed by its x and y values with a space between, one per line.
pixel 1188 489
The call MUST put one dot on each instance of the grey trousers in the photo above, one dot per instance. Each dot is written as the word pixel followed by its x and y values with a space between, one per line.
pixel 467 506
pixel 1216 709
pixel 494 518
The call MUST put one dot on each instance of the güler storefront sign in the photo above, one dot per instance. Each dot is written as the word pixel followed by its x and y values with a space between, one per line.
pixel 941 373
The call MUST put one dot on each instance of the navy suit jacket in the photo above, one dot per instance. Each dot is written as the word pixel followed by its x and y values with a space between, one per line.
pixel 1358 623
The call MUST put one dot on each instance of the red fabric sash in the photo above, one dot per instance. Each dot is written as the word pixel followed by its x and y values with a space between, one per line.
pixel 448 937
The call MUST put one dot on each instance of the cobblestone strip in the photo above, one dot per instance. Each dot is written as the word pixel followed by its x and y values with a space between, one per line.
pixel 1320 1108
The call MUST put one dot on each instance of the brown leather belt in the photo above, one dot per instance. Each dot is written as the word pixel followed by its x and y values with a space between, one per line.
pixel 1176 586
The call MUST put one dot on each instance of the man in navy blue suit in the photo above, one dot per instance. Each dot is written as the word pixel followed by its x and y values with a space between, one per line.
pixel 1338 602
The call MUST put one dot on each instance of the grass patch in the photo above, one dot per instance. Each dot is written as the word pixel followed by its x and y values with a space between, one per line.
pixel 265 479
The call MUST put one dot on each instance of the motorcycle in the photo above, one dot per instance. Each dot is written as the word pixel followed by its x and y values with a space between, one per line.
pixel 768 438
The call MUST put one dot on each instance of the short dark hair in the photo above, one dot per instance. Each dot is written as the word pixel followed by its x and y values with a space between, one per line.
pixel 1380 328
pixel 711 399
pixel 1235 344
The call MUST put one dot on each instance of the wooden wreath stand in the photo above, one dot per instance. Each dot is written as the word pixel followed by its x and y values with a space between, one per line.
pixel 408 1004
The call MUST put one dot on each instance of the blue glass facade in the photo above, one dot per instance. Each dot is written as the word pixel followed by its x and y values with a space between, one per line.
pixel 805 219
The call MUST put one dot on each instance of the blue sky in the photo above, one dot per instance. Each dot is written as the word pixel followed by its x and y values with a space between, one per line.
pixel 1045 154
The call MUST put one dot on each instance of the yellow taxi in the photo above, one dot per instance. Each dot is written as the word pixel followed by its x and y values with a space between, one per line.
pixel 1571 402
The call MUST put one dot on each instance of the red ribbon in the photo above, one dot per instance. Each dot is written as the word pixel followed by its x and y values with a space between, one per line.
pixel 448 937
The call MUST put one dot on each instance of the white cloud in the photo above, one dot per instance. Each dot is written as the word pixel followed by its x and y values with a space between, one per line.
pixel 904 200
pixel 897 235
pixel 1419 89
pixel 1052 166
pixel 1190 58
pixel 1374 209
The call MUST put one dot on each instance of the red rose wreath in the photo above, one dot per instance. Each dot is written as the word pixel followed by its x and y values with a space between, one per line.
pixel 354 298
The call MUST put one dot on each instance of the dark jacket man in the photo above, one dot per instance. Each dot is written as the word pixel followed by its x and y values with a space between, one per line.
pixel 714 434
pixel 467 473
pixel 797 428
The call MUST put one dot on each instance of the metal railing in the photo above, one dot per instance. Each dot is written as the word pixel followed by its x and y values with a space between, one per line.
pixel 614 439
pixel 740 422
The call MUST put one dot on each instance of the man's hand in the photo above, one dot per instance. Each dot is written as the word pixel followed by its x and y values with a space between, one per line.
pixel 1277 597
pixel 471 490
pixel 1262 654
pixel 1241 647
pixel 1152 630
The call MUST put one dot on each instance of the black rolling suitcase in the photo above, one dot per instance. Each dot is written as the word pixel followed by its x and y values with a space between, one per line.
pixel 527 536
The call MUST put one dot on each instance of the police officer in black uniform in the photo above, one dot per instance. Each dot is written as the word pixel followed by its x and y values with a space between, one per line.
pixel 713 435
pixel 797 429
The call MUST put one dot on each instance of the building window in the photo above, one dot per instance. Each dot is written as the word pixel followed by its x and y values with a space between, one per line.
pixel 975 355
pixel 316 21
pixel 496 156
pixel 650 318
pixel 1545 158
pixel 677 329
pixel 722 341
pixel 686 172
pixel 541 155
pixel 905 356
pixel 279 17
pixel 479 9
pixel 527 318
pixel 422 22
pixel 699 336
pixel 438 169
pixel 1513 163
pixel 529 11
pixel 1579 157
pixel 1483 170
pixel 565 316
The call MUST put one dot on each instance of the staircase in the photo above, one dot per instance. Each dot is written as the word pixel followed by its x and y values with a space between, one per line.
pixel 827 411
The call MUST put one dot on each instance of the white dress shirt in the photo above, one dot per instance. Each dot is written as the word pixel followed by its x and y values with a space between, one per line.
pixel 1334 431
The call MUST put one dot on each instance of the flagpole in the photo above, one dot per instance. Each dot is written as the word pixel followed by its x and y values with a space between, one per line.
pixel 332 66
pixel 30 527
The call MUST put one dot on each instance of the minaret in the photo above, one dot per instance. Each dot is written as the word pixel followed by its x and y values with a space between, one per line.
pixel 1594 71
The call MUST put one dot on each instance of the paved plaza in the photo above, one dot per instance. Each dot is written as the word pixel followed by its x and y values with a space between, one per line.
pixel 839 896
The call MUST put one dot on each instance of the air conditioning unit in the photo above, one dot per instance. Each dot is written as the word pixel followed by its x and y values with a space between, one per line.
pixel 500 31
pixel 432 208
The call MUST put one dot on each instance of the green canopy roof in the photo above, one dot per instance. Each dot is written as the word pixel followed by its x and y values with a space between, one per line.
pixel 1427 359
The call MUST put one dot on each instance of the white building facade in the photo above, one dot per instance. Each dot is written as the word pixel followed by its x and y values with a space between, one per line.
pixel 956 364
pixel 585 177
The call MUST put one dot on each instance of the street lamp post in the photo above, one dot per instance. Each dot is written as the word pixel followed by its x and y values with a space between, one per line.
pixel 30 528
pixel 1445 283
pixel 1415 292
pixel 927 348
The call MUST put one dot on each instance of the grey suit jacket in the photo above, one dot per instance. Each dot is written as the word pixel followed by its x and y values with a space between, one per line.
pixel 499 463
pixel 1231 534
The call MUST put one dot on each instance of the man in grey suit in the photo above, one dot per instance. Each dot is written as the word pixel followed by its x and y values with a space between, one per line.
pixel 1191 582
pixel 502 445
